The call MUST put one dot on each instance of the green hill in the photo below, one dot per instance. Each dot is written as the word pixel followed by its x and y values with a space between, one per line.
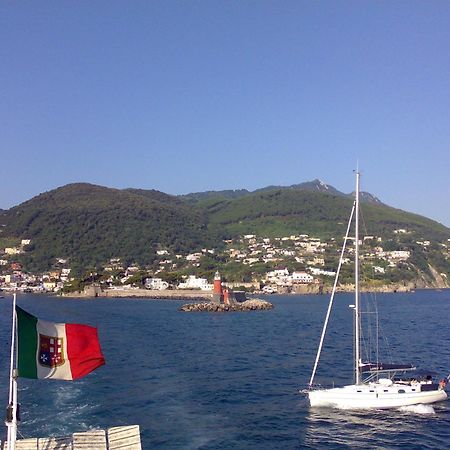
pixel 89 224
pixel 285 212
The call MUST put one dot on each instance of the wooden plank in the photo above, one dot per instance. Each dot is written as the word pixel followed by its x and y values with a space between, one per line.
pixel 55 443
pixel 116 438
pixel 90 440
pixel 126 437
pixel 23 444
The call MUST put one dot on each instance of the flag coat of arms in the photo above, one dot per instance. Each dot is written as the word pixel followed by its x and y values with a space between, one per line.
pixel 61 351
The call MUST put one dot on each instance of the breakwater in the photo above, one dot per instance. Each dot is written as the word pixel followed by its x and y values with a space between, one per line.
pixel 169 294
pixel 254 304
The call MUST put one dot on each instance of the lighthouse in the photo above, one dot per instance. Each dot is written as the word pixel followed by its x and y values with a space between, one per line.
pixel 217 294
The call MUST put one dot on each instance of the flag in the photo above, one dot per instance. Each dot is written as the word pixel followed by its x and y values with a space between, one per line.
pixel 61 351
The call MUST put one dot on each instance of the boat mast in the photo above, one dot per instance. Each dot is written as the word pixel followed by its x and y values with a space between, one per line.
pixel 357 306
pixel 11 419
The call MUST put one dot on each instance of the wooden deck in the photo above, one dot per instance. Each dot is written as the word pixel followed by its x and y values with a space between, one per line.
pixel 115 438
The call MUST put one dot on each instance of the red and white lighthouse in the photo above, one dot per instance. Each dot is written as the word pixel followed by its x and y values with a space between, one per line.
pixel 217 293
pixel 217 283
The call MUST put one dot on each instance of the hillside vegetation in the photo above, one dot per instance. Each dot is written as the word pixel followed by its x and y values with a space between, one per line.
pixel 284 212
pixel 89 224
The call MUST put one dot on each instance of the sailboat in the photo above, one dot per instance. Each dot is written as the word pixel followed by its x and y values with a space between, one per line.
pixel 376 385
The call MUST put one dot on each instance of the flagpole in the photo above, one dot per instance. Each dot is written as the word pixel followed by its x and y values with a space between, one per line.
pixel 11 419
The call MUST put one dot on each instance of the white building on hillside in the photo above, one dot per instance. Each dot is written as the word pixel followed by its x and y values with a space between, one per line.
pixel 302 277
pixel 13 250
pixel 192 282
pixel 278 273
pixel 399 254
pixel 156 284
pixel 193 257
pixel 327 273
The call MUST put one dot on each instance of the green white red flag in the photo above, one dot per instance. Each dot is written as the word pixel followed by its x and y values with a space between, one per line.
pixel 61 351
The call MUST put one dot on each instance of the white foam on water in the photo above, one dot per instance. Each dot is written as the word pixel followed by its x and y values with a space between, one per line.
pixel 346 407
pixel 349 407
pixel 418 409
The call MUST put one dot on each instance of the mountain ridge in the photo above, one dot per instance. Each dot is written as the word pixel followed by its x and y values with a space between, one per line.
pixel 315 185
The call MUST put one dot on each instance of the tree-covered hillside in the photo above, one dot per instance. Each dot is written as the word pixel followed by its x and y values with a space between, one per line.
pixel 285 212
pixel 89 224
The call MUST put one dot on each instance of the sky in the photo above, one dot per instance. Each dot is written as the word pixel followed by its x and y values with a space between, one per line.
pixel 189 96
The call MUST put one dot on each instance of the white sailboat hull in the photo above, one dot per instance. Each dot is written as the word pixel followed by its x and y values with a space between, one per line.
pixel 374 397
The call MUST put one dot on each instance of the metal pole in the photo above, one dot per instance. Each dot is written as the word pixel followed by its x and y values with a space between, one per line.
pixel 12 425
pixel 357 306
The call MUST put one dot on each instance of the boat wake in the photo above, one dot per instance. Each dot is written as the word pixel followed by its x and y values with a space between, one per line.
pixel 418 409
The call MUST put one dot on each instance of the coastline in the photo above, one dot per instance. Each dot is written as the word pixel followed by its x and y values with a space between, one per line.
pixel 206 296
pixel 172 294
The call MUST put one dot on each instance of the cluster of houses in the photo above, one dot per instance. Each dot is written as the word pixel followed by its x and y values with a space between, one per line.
pixel 280 280
pixel 305 250
pixel 310 255
pixel 17 279
pixel 250 249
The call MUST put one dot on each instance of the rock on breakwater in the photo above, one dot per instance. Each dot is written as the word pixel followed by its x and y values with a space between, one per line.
pixel 249 305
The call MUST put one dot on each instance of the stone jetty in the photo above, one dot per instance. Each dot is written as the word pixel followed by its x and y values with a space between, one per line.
pixel 172 294
pixel 249 305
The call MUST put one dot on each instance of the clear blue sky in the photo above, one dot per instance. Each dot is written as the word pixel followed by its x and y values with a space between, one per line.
pixel 186 96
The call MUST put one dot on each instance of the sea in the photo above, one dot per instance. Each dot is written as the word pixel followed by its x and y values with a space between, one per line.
pixel 232 380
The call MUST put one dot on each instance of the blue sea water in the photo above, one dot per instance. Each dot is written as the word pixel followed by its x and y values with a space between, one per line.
pixel 231 380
